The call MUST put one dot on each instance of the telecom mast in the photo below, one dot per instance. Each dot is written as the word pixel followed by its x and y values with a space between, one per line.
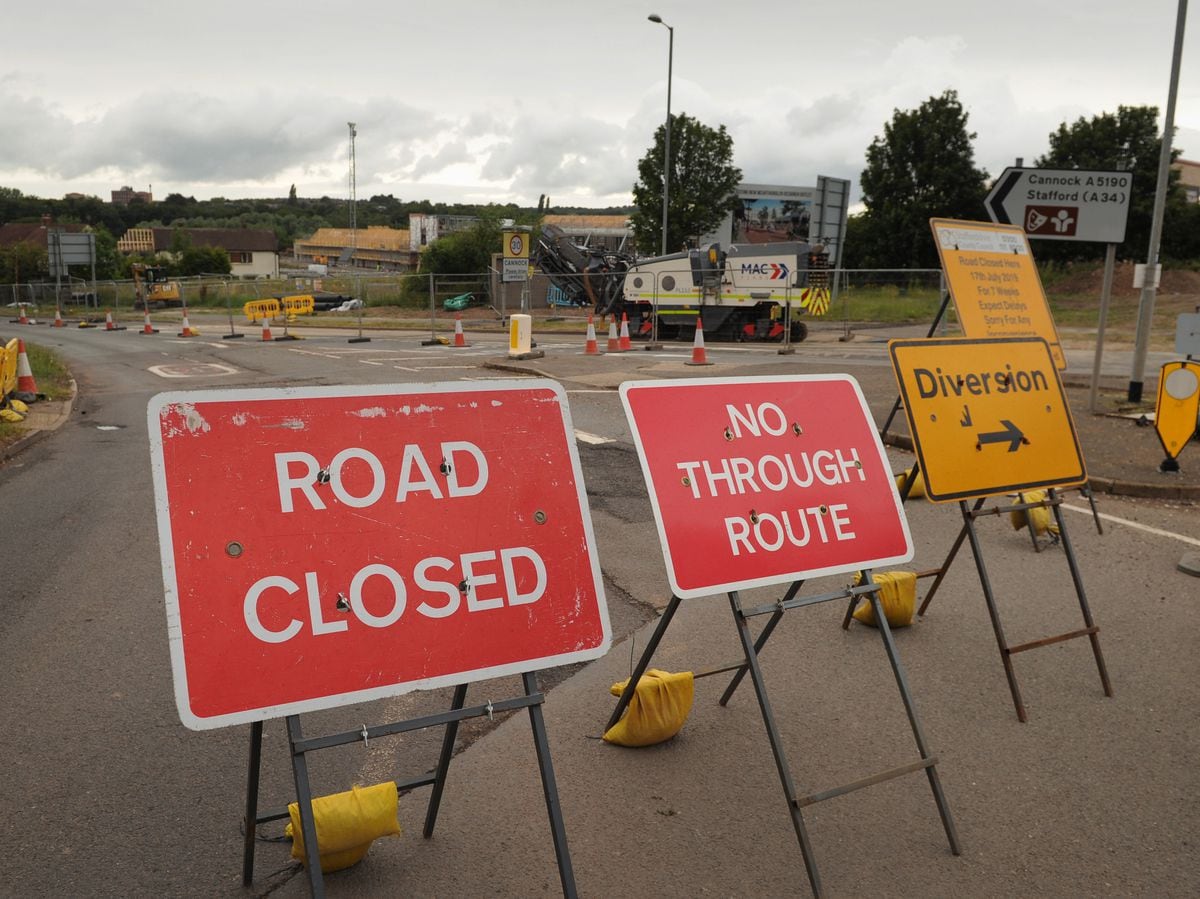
pixel 353 198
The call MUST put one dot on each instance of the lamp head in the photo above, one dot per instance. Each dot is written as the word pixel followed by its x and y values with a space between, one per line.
pixel 655 17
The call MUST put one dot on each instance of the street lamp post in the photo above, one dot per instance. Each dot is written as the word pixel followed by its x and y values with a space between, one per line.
pixel 655 17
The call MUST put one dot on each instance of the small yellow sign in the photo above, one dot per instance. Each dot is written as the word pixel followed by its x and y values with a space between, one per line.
pixel 986 416
pixel 995 285
pixel 1178 405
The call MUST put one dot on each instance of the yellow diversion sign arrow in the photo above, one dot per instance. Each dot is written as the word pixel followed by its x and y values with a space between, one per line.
pixel 986 416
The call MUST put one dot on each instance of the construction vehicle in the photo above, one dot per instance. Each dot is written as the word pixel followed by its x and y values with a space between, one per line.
pixel 746 292
pixel 152 289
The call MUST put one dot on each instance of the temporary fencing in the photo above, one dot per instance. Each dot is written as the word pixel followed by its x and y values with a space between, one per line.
pixel 262 309
pixel 300 304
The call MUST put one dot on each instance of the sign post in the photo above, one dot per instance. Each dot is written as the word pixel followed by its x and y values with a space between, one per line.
pixel 989 417
pixel 330 545
pixel 753 483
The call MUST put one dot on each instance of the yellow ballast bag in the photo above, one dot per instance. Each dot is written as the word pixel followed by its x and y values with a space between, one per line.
pixel 659 706
pixel 897 595
pixel 1042 518
pixel 918 487
pixel 347 823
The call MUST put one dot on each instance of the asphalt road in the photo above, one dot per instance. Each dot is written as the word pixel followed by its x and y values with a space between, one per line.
pixel 105 793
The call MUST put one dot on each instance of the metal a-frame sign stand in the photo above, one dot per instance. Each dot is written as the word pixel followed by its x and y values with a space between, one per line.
pixel 299 747
pixel 752 647
pixel 1054 460
pixel 685 416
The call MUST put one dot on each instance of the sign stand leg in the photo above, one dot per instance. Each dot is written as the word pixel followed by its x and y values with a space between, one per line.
pixel 937 581
pixel 308 824
pixel 935 784
pixel 251 820
pixel 781 765
pixel 443 765
pixel 549 787
pixel 1073 564
pixel 763 636
pixel 643 663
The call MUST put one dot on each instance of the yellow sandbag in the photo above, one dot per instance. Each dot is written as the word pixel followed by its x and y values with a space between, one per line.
pixel 17 406
pixel 347 823
pixel 897 595
pixel 1042 518
pixel 10 416
pixel 918 487
pixel 659 706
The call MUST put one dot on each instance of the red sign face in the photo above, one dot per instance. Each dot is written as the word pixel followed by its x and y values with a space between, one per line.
pixel 325 546
pixel 765 480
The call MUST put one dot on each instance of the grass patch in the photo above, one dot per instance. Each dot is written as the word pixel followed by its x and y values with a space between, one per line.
pixel 49 371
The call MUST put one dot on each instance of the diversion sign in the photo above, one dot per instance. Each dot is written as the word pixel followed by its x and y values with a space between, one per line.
pixel 764 480
pixel 324 546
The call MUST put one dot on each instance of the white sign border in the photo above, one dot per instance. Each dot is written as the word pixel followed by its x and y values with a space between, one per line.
pixel 748 583
pixel 254 394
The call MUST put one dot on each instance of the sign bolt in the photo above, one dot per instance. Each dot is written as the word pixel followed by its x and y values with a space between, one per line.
pixel 728 434
pixel 323 476
pixel 342 604
pixel 233 549
pixel 796 429
pixel 753 517
pixel 539 516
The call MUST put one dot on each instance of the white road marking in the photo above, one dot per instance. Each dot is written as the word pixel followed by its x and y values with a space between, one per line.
pixel 593 439
pixel 1158 532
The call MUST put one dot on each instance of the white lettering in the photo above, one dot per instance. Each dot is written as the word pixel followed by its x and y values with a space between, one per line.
pixel 454 487
pixel 250 610
pixel 515 596
pixel 339 488
pixel 474 602
pixel 450 591
pixel 304 483
pixel 413 458
pixel 399 595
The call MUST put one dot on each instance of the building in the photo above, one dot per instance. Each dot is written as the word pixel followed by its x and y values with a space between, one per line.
pixel 253 253
pixel 610 232
pixel 425 228
pixel 1189 178
pixel 127 195
pixel 376 248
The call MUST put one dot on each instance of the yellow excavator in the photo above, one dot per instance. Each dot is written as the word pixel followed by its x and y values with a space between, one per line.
pixel 152 289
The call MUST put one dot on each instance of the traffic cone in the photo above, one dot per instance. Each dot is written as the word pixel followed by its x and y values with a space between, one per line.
pixel 26 386
pixel 614 342
pixel 590 349
pixel 147 328
pixel 58 322
pixel 624 342
pixel 109 325
pixel 187 330
pixel 22 318
pixel 699 357
pixel 459 339
pixel 266 328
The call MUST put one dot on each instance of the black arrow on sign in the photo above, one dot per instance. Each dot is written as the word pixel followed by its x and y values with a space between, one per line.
pixel 1011 435
pixel 995 200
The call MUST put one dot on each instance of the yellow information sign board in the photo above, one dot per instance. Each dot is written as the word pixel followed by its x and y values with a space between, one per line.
pixel 986 416
pixel 995 285
pixel 1178 405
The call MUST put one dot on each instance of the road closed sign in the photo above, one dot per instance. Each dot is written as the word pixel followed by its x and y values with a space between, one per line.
pixel 986 416
pixel 329 545
pixel 762 481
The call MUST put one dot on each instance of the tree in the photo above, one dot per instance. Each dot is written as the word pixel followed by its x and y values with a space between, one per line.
pixel 702 184
pixel 466 252
pixel 1131 140
pixel 922 167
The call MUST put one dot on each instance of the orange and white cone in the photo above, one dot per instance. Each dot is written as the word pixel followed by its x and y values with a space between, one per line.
pixel 26 386
pixel 22 318
pixel 187 330
pixel 614 342
pixel 266 328
pixel 459 339
pixel 148 328
pixel 58 322
pixel 699 357
pixel 108 322
pixel 590 348
pixel 624 342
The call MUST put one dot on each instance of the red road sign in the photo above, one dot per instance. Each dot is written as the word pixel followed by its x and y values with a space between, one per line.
pixel 331 545
pixel 765 480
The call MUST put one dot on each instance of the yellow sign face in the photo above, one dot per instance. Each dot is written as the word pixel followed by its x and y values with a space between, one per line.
pixel 986 416
pixel 1178 405
pixel 516 245
pixel 995 285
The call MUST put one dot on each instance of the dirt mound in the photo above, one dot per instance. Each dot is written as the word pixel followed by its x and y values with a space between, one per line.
pixel 1088 278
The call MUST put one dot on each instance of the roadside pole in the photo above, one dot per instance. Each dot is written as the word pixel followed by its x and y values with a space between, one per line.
pixel 1110 260
pixel 362 303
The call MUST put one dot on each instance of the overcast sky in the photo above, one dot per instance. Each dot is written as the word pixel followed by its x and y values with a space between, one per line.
pixel 467 100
